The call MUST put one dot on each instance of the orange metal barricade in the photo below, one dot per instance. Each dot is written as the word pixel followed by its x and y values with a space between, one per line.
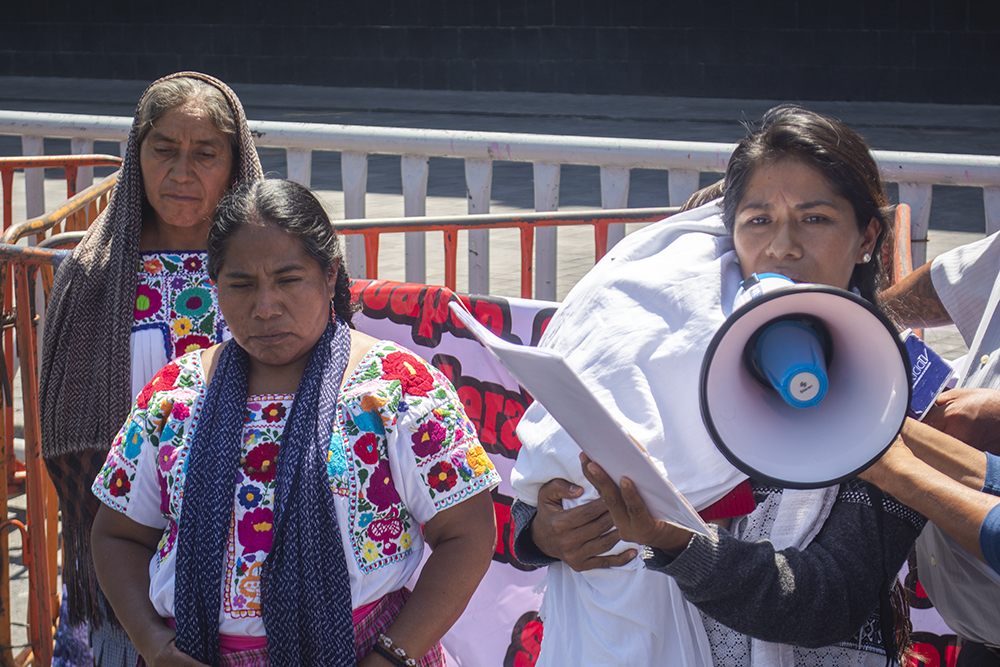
pixel 40 535
pixel 898 260
pixel 42 504
pixel 76 214
pixel 526 223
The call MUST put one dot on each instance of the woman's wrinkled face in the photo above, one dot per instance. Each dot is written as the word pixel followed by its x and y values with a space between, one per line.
pixel 792 222
pixel 187 166
pixel 275 297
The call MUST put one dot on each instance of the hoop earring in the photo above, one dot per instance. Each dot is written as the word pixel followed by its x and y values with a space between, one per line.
pixel 867 257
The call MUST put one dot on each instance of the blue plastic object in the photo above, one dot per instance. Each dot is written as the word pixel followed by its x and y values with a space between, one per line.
pixel 790 354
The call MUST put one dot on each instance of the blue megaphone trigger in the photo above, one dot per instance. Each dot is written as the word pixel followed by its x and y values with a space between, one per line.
pixel 790 355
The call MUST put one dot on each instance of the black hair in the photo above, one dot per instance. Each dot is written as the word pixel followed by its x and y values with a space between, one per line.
pixel 838 153
pixel 292 208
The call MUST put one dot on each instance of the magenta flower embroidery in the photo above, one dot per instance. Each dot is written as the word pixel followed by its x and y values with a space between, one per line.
pixel 381 491
pixel 428 438
pixel 192 264
pixel 167 545
pixel 256 530
pixel 147 302
pixel 386 529
pixel 180 412
pixel 166 457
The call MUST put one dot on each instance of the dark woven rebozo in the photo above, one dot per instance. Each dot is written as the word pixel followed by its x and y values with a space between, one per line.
pixel 85 376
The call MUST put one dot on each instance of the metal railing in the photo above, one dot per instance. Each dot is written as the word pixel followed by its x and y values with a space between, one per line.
pixel 75 214
pixel 40 531
pixel 916 173
pixel 529 225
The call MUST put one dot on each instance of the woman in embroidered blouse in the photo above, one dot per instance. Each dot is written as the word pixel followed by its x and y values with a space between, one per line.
pixel 307 505
pixel 134 295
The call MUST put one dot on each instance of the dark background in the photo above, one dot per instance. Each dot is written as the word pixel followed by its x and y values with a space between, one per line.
pixel 945 51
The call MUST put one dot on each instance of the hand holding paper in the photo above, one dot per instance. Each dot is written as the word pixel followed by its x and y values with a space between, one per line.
pixel 630 514
pixel 550 380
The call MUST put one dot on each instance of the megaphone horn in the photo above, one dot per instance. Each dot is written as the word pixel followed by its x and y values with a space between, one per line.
pixel 805 386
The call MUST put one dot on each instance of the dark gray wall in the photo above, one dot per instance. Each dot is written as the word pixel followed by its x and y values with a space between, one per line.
pixel 893 50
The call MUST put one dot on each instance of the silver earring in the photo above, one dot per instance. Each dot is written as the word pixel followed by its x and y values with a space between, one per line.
pixel 867 257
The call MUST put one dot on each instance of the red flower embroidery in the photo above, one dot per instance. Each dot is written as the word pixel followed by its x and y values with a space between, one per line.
pixel 428 438
pixel 191 343
pixel 163 380
pixel 274 412
pixel 442 476
pixel 410 371
pixel 260 463
pixel 367 449
pixel 119 484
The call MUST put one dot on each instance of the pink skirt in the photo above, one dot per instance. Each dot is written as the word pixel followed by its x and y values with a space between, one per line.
pixel 378 618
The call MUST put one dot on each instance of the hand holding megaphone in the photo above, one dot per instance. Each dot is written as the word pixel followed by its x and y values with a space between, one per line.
pixel 804 385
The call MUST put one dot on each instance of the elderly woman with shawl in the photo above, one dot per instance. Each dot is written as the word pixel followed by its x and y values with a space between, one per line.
pixel 269 497
pixel 134 295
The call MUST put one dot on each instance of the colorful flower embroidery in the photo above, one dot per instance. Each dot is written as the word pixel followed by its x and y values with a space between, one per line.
pixel 180 411
pixel 381 491
pixel 167 541
pixel 260 463
pixel 120 485
pixel 133 441
pixel 370 551
pixel 166 456
pixel 182 326
pixel 442 476
pixel 428 438
pixel 386 530
pixel 478 459
pixel 175 295
pixel 249 496
pixel 256 530
pixel 274 412
pixel 162 381
pixel 367 448
pixel 411 373
pixel 190 344
pixel 147 302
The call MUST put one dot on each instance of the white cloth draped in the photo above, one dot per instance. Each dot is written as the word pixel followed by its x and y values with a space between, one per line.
pixel 636 329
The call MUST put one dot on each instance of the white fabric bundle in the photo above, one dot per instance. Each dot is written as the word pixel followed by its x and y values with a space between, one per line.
pixel 636 329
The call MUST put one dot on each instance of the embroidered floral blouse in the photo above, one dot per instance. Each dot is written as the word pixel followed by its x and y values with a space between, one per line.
pixel 402 450
pixel 176 311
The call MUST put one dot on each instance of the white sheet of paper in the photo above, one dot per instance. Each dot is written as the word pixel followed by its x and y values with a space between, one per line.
pixel 551 382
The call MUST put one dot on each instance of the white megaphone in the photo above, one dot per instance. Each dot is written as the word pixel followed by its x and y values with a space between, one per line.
pixel 804 385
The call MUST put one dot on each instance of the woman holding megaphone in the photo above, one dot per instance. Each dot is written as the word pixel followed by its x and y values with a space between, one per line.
pixel 788 576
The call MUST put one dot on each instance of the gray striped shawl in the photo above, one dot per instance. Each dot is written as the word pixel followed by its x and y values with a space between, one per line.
pixel 85 375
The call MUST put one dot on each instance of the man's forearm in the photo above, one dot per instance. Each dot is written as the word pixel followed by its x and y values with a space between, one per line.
pixel 952 457
pixel 913 301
